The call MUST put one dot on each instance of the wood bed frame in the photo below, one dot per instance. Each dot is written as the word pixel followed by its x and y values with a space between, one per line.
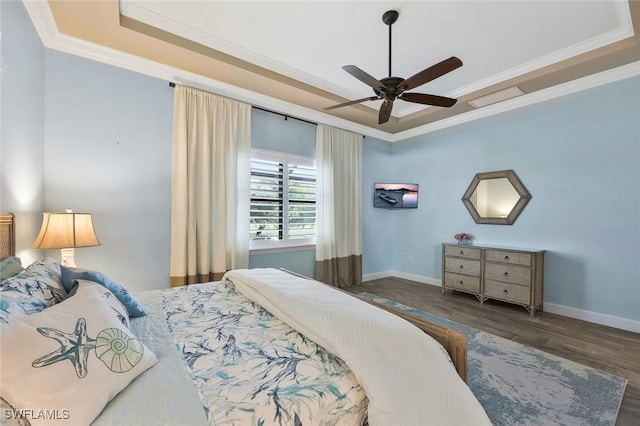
pixel 453 341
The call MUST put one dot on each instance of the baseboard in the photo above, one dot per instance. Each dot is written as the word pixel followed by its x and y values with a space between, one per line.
pixel 567 311
pixel 595 317
pixel 404 275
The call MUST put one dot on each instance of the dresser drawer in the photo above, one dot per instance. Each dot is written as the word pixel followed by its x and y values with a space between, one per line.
pixel 508 257
pixel 463 251
pixel 509 292
pixel 507 273
pixel 462 282
pixel 510 274
pixel 462 266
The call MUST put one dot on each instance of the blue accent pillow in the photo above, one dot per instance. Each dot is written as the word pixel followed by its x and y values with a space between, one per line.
pixel 70 275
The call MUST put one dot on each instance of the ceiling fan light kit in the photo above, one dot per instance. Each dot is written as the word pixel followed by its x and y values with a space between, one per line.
pixel 390 88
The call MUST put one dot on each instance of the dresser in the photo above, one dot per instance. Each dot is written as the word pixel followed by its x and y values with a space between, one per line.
pixel 512 275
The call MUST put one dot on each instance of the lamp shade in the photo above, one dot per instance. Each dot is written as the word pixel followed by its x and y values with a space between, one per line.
pixel 66 230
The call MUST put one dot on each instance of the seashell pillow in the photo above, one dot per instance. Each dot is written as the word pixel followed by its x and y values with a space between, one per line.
pixel 66 363
pixel 32 290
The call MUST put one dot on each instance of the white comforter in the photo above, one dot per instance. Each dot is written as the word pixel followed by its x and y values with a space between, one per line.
pixel 406 376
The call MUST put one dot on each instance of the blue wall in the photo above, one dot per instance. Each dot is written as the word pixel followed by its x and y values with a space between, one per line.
pixel 273 132
pixel 379 239
pixel 22 130
pixel 579 157
pixel 108 152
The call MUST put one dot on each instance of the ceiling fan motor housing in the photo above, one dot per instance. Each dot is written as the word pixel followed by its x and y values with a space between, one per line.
pixel 391 84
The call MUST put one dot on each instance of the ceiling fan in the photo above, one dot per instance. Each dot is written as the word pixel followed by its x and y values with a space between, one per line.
pixel 391 88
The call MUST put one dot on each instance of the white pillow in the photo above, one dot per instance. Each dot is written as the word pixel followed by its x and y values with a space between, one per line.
pixel 64 364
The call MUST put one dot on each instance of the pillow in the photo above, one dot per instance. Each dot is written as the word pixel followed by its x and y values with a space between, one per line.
pixel 10 417
pixel 32 290
pixel 69 360
pixel 9 266
pixel 119 310
pixel 69 275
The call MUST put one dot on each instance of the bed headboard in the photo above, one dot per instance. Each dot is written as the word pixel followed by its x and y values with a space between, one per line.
pixel 7 235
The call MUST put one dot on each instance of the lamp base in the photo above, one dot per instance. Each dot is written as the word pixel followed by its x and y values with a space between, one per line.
pixel 66 256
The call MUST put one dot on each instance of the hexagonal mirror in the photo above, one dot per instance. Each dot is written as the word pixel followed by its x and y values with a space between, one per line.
pixel 496 197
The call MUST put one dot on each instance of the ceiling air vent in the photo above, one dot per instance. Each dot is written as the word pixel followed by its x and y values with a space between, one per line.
pixel 500 96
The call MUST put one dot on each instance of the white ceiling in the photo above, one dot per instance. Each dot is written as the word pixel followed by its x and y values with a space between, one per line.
pixel 286 56
pixel 310 41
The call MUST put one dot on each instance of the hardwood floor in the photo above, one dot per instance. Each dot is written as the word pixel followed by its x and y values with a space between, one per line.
pixel 605 348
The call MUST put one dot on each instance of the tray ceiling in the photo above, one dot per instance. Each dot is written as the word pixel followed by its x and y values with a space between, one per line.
pixel 288 55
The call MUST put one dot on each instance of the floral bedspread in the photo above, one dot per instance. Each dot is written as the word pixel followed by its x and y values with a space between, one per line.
pixel 252 369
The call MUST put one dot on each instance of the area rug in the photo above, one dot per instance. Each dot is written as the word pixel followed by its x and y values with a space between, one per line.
pixel 520 385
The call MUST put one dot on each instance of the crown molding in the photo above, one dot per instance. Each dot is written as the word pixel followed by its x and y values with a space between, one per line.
pixel 138 13
pixel 584 83
pixel 135 11
pixel 51 38
pixel 46 28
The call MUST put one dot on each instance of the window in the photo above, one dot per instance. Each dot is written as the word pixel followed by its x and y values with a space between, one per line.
pixel 283 200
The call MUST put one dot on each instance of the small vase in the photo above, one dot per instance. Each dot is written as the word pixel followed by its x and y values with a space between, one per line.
pixel 463 242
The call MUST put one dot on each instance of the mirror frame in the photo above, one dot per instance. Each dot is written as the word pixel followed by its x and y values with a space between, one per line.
pixel 515 211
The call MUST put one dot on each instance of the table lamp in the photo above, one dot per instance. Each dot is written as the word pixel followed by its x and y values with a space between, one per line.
pixel 66 231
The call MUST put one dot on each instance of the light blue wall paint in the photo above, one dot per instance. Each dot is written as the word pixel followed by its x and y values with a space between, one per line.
pixel 22 130
pixel 108 152
pixel 300 261
pixel 579 156
pixel 272 132
pixel 378 231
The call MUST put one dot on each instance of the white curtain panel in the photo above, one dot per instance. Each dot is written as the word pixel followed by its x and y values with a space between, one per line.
pixel 339 227
pixel 210 186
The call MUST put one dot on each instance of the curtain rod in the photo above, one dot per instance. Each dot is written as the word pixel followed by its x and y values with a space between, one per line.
pixel 286 116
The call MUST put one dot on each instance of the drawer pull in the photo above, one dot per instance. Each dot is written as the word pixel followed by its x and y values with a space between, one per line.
pixel 506 274
pixel 461 267
pixel 506 291
pixel 461 282
pixel 461 251
pixel 506 258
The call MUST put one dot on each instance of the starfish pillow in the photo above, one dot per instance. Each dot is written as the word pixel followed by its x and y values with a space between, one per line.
pixel 67 362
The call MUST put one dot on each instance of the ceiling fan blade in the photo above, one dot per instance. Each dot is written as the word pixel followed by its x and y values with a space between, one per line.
pixel 385 111
pixel 431 73
pixel 364 77
pixel 422 98
pixel 357 101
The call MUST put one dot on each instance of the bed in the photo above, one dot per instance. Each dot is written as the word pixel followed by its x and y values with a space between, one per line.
pixel 259 347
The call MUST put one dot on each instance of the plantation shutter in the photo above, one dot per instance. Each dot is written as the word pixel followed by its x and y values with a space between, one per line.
pixel 302 202
pixel 283 198
pixel 267 200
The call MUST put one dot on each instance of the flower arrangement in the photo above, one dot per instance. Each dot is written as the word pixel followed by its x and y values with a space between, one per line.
pixel 462 238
